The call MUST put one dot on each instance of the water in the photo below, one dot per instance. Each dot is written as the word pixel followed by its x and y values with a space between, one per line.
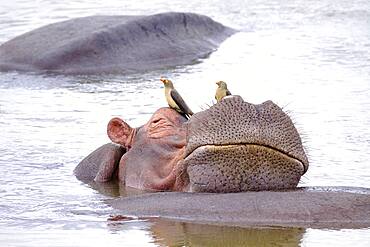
pixel 311 57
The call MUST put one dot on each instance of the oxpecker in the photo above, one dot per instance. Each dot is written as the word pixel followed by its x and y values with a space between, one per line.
pixel 174 99
pixel 221 91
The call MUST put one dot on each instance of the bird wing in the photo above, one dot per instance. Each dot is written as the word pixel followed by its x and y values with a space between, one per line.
pixel 228 92
pixel 180 102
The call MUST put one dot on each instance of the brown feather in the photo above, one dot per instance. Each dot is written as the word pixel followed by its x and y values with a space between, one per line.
pixel 180 102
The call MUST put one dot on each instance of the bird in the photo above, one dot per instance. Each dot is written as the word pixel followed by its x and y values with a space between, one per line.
pixel 174 99
pixel 221 91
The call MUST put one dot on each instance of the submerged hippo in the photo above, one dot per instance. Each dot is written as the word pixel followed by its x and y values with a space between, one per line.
pixel 114 44
pixel 233 146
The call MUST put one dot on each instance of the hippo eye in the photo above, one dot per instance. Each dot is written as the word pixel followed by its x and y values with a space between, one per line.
pixel 156 121
pixel 159 127
pixel 159 124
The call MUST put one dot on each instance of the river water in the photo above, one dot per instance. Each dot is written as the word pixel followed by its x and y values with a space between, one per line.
pixel 310 57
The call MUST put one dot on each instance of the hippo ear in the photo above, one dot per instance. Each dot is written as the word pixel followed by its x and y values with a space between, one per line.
pixel 120 132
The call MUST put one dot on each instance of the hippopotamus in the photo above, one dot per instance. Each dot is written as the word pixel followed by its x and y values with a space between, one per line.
pixel 233 146
pixel 308 207
pixel 114 44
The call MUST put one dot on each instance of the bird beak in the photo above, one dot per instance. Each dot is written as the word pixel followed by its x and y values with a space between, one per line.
pixel 163 80
pixel 218 83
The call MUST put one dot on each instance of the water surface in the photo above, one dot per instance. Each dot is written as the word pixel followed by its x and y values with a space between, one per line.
pixel 310 57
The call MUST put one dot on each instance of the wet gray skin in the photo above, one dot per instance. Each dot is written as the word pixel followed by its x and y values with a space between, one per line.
pixel 315 207
pixel 114 44
pixel 233 146
pixel 237 146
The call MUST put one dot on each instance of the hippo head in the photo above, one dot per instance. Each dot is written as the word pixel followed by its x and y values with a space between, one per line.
pixel 233 146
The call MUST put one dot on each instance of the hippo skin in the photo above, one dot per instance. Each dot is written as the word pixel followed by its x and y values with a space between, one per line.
pixel 233 146
pixel 114 44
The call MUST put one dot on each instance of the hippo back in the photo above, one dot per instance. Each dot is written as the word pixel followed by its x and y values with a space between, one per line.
pixel 112 44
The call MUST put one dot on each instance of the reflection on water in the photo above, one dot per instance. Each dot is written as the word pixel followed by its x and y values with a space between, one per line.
pixel 167 233
pixel 311 57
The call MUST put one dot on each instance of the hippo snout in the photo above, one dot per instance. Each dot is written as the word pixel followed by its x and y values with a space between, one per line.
pixel 237 146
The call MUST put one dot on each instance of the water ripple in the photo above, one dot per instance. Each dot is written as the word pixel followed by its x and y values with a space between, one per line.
pixel 312 57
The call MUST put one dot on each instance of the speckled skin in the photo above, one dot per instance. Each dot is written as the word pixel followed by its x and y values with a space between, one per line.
pixel 237 146
pixel 233 146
